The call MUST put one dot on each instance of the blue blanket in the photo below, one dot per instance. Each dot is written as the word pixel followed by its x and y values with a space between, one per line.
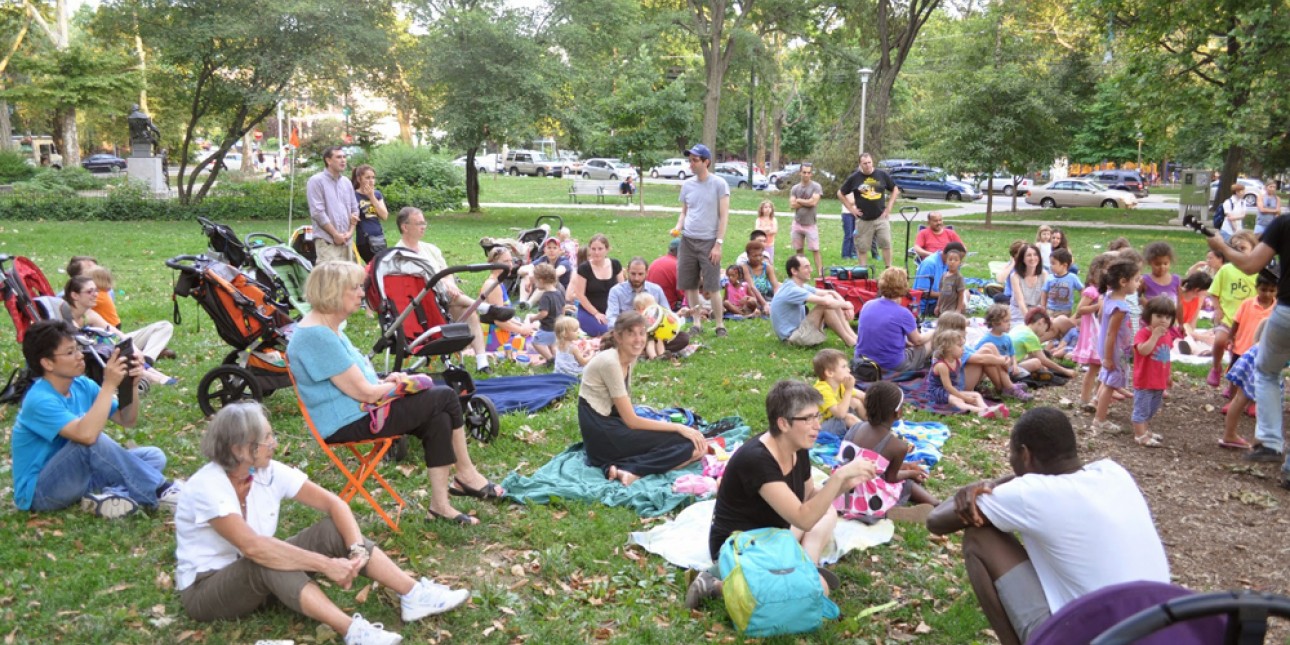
pixel 567 476
pixel 927 438
pixel 530 393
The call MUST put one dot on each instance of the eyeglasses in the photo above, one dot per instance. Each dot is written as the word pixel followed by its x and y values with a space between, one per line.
pixel 271 441
pixel 71 351
pixel 421 224
pixel 817 417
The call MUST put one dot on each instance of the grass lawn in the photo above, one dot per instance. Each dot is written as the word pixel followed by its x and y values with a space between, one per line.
pixel 549 190
pixel 543 574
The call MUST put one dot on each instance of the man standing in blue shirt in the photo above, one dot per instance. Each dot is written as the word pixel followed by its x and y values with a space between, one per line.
pixel 61 455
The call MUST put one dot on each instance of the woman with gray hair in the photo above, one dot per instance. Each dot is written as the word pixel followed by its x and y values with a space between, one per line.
pixel 229 562
pixel 335 381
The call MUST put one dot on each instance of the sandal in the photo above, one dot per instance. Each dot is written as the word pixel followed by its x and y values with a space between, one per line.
pixel 461 518
pixel 488 491
pixel 1148 440
pixel 1239 444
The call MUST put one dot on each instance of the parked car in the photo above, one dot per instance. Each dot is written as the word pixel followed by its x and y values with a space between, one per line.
pixel 779 177
pixel 1126 180
pixel 916 181
pixel 1006 184
pixel 1253 190
pixel 103 162
pixel 532 162
pixel 483 163
pixel 572 164
pixel 1079 192
pixel 890 164
pixel 674 168
pixel 607 168
pixel 737 177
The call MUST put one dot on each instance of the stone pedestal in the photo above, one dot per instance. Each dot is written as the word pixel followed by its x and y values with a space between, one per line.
pixel 150 172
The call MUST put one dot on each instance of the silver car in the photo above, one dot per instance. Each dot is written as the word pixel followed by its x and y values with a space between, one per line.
pixel 607 168
pixel 675 168
pixel 1079 192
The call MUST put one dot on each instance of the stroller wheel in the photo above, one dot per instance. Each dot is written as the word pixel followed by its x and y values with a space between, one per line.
pixel 224 385
pixel 481 418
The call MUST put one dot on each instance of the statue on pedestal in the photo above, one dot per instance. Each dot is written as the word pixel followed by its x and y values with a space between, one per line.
pixel 144 135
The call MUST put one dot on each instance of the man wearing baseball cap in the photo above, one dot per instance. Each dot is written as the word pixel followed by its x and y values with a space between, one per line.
pixel 705 211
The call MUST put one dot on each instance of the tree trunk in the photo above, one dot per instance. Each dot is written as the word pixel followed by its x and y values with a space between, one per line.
pixel 712 105
pixel 472 180
pixel 405 125
pixel 248 157
pixel 777 135
pixel 6 141
pixel 71 143
pixel 762 126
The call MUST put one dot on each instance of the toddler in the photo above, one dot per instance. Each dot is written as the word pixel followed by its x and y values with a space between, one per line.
pixel 998 319
pixel 1086 352
pixel 569 356
pixel 1229 289
pixel 550 306
pixel 1151 365
pixel 1059 295
pixel 982 362
pixel 642 304
pixel 569 245
pixel 843 405
pixel 738 301
pixel 1191 296
pixel 879 443
pixel 942 388
pixel 105 304
pixel 1044 242
pixel 1116 340
pixel 1029 350
pixel 953 293
pixel 1160 282
pixel 767 224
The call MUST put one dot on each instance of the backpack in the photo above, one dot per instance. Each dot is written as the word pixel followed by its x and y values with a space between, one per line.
pixel 770 585
pixel 865 369
pixel 683 416
pixel 1220 214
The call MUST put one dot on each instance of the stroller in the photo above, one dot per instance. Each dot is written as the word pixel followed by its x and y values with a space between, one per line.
pixel 248 319
pixel 265 259
pixel 302 242
pixel 23 283
pixel 400 288
pixel 523 248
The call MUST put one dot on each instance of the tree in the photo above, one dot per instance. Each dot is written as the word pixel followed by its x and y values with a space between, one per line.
pixel 228 69
pixel 470 50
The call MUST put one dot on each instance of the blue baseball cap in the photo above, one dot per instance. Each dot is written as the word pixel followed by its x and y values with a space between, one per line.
pixel 701 151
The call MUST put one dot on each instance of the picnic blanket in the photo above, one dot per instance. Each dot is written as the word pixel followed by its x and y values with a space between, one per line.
pixel 927 437
pixel 914 384
pixel 530 393
pixel 567 476
pixel 684 540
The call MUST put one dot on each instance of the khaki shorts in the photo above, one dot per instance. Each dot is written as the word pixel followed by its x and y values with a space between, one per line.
pixel 807 334
pixel 806 237
pixel 867 232
pixel 694 266
pixel 326 251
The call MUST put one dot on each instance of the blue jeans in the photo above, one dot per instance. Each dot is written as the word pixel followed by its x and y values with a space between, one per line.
pixel 78 469
pixel 1274 353
pixel 848 235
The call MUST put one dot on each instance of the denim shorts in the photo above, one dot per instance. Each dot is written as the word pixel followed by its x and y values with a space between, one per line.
pixel 544 338
pixel 1146 403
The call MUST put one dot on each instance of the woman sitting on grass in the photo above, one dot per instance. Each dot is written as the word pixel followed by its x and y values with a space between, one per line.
pixel 335 380
pixel 619 442
pixel 81 294
pixel 230 564
pixel 767 483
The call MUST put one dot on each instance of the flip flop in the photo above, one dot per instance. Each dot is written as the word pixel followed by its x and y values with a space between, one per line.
pixel 1240 444
pixel 488 491
pixel 461 518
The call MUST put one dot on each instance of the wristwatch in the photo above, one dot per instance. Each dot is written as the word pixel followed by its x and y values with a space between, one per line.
pixel 721 242
pixel 359 549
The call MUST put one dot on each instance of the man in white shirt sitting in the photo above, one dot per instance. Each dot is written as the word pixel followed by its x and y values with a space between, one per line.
pixel 1084 526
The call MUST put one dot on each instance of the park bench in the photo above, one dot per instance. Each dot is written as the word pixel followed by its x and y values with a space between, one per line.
pixel 598 188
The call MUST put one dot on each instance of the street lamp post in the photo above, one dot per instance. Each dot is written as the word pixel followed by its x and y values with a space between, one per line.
pixel 1139 152
pixel 865 72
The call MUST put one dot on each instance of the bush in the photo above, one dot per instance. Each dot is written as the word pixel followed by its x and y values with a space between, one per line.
pixel 80 179
pixel 419 167
pixel 14 168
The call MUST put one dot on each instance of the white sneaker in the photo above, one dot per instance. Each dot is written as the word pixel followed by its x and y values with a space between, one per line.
pixel 428 598
pixel 169 498
pixel 362 632
pixel 109 506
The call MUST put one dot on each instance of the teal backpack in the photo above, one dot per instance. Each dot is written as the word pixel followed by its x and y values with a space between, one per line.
pixel 770 585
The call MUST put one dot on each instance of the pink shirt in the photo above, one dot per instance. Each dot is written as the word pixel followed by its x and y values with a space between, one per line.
pixel 933 242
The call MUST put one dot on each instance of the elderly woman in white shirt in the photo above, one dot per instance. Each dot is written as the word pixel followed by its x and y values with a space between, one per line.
pixel 230 564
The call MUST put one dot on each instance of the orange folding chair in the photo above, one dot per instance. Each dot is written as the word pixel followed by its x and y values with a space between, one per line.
pixel 369 453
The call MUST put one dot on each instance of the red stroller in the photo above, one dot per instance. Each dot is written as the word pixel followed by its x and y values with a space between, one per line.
pixel 400 288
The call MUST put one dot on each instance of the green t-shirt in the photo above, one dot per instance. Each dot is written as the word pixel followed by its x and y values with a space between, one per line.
pixel 1232 287
pixel 1024 341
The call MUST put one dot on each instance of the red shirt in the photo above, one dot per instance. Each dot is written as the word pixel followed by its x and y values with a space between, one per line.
pixel 933 242
pixel 662 272
pixel 1151 372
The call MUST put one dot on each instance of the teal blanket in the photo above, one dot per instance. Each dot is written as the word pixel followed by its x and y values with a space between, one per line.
pixel 568 477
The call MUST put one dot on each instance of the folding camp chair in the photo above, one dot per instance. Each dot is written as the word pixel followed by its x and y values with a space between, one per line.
pixel 367 464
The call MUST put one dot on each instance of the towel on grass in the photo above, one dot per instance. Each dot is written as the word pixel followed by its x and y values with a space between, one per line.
pixel 927 438
pixel 567 476
pixel 530 393
pixel 914 385
pixel 684 540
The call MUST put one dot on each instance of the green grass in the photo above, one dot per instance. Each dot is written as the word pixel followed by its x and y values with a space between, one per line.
pixel 548 574
pixel 1155 217
pixel 549 190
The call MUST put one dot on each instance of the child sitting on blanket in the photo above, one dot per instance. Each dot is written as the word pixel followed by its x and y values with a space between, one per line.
pixel 569 357
pixel 843 406
pixel 942 380
pixel 1029 350
pixel 999 320
pixel 984 362
pixel 878 443
pixel 654 346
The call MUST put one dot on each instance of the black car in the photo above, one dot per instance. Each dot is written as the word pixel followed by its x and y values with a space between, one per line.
pixel 103 162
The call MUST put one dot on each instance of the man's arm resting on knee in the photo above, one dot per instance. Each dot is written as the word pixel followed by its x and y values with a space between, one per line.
pixel 960 511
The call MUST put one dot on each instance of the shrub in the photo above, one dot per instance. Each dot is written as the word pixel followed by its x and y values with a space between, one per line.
pixel 14 168
pixel 398 163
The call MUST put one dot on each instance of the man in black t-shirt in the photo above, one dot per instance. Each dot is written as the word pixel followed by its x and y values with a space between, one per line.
pixel 1274 346
pixel 869 194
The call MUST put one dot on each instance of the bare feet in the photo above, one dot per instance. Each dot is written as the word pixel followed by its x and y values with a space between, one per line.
pixel 623 477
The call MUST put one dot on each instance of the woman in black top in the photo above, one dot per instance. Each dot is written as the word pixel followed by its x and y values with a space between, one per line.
pixel 767 482
pixel 591 284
